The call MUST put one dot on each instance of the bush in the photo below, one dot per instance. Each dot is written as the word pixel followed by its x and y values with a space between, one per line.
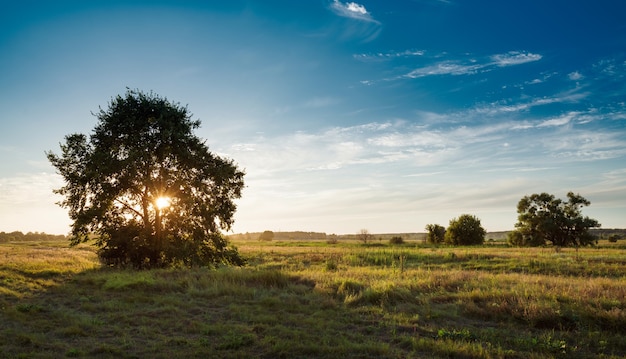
pixel 436 233
pixel 266 236
pixel 613 238
pixel 466 230
pixel 517 239
pixel 396 240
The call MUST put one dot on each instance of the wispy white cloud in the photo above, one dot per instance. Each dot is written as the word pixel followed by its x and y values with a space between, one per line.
pixel 500 107
pixel 512 58
pixel 614 67
pixel 559 121
pixel 361 25
pixel 352 10
pixel 445 68
pixel 382 56
pixel 472 66
pixel 575 76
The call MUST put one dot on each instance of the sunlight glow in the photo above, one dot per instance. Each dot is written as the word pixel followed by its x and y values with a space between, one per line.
pixel 162 202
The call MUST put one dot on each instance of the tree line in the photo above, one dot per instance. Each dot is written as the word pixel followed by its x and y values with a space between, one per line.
pixel 542 219
pixel 29 236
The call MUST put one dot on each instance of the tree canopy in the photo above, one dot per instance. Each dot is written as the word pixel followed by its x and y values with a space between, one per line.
pixel 147 188
pixel 435 233
pixel 465 230
pixel 543 218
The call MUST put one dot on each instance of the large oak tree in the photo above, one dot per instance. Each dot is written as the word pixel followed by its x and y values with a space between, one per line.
pixel 543 218
pixel 148 189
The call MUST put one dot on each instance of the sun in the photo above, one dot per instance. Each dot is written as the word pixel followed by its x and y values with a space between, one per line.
pixel 162 202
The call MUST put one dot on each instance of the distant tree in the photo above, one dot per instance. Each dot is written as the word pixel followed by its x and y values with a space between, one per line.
pixel 465 230
pixel 148 188
pixel 364 235
pixel 396 240
pixel 332 239
pixel 614 238
pixel 435 233
pixel 266 236
pixel 543 218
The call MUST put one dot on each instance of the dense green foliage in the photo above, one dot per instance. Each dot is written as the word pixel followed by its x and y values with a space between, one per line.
pixel 435 233
pixel 143 151
pixel 543 218
pixel 465 230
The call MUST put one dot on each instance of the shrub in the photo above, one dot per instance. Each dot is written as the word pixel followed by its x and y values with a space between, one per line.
pixel 396 240
pixel 613 238
pixel 266 236
pixel 516 238
pixel 436 233
pixel 466 230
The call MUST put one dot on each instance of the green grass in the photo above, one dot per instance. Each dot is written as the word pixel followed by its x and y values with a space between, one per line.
pixel 318 300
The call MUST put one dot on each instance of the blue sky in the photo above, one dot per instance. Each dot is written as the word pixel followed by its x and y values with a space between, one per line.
pixel 378 115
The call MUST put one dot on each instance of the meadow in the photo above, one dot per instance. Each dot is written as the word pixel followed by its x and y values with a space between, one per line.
pixel 315 299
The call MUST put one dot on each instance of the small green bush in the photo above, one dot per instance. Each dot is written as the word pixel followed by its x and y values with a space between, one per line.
pixel 396 240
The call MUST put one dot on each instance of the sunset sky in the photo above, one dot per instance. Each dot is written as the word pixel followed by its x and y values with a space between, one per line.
pixel 378 115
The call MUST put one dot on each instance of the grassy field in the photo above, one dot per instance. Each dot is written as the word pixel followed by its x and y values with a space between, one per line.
pixel 312 299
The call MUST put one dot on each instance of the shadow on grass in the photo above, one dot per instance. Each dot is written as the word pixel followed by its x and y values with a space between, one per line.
pixel 264 312
pixel 226 313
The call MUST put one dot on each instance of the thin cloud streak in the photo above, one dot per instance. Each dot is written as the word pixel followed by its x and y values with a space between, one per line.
pixel 470 67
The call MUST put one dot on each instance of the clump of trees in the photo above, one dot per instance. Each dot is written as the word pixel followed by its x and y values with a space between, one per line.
pixel 465 230
pixel 543 218
pixel 149 189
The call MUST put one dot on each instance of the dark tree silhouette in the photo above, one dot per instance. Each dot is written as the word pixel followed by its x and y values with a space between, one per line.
pixel 148 190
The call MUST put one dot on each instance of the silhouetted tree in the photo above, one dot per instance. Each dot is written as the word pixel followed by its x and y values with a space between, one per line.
pixel 465 230
pixel 147 187
pixel 543 218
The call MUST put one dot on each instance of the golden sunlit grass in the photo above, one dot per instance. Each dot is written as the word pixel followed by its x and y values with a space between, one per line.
pixel 313 299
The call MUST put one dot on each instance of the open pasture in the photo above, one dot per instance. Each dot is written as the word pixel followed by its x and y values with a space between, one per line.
pixel 312 299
